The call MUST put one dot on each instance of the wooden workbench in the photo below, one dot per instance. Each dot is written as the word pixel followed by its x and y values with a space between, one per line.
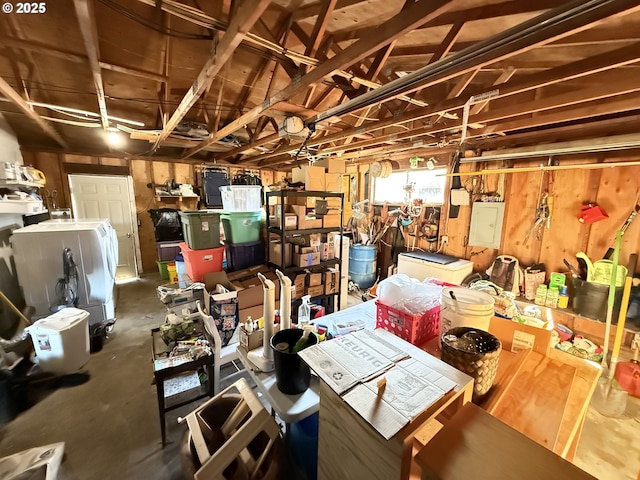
pixel 543 397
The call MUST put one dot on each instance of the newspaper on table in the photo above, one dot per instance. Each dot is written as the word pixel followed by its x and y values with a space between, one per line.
pixel 33 463
pixel 353 364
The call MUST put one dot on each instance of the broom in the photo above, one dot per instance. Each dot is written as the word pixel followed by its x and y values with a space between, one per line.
pixel 626 293
pixel 611 299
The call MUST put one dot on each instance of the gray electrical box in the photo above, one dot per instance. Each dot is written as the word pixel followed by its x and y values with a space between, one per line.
pixel 486 224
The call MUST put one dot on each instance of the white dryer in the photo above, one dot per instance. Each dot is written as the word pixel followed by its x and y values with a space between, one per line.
pixel 39 265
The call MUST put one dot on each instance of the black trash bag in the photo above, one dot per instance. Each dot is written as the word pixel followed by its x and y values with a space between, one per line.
pixel 166 224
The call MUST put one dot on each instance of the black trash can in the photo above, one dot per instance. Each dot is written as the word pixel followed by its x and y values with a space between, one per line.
pixel 292 373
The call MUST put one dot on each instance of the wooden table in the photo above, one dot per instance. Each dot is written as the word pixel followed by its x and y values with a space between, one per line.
pixel 476 445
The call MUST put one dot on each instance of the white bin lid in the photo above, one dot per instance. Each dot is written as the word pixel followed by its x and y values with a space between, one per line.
pixel 62 320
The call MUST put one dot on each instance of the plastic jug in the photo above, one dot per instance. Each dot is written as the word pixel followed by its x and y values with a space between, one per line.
pixel 304 310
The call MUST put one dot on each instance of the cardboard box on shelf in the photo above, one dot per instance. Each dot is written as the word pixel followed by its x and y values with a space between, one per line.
pixel 332 182
pixel 307 259
pixel 315 291
pixel 311 176
pixel 327 252
pixel 331 281
pixel 314 279
pixel 332 165
pixel 298 283
pixel 275 253
pixel 331 220
pixel 518 336
pixel 333 202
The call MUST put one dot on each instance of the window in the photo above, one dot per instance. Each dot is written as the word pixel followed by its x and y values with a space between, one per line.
pixel 428 186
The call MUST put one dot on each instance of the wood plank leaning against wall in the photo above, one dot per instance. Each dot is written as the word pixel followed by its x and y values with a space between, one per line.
pixel 143 171
pixel 614 189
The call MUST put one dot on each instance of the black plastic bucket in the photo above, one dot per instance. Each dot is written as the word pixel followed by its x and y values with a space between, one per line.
pixel 590 300
pixel 292 373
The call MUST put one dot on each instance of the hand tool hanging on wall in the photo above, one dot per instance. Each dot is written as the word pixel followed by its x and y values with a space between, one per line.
pixel 632 215
pixel 544 207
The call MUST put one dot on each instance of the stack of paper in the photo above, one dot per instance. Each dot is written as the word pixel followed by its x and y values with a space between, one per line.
pixel 353 366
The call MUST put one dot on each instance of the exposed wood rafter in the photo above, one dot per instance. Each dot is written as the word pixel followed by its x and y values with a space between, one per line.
pixel 248 14
pixel 414 16
pixel 89 30
pixel 15 97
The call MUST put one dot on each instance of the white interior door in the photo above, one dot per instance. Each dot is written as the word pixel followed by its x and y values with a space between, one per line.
pixel 105 196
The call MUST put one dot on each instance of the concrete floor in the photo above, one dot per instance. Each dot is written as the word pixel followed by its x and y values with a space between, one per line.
pixel 111 429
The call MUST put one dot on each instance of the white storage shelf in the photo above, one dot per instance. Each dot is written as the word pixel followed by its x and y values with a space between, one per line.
pixel 24 207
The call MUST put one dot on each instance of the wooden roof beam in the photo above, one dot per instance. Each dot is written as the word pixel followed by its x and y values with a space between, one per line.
pixel 45 49
pixel 320 27
pixel 89 31
pixel 248 13
pixel 484 12
pixel 606 90
pixel 504 77
pixel 15 97
pixel 564 21
pixel 589 66
pixel 417 14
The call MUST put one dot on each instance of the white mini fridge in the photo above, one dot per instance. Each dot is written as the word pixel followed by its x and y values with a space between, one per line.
pixel 38 254
pixel 421 265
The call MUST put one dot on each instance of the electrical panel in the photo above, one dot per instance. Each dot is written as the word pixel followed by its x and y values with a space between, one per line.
pixel 486 224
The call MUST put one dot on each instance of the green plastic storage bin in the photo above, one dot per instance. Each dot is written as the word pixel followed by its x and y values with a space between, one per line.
pixel 241 227
pixel 162 268
pixel 201 229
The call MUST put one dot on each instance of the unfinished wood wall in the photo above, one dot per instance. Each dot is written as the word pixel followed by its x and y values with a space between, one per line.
pixel 614 189
pixel 143 172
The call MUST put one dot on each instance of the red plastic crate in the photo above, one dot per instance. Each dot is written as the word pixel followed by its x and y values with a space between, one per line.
pixel 199 262
pixel 415 329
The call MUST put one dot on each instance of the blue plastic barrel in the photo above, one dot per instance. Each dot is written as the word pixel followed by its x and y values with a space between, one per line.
pixel 362 265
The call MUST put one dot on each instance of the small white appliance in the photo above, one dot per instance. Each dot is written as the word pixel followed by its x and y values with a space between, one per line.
pixel 421 265
pixel 38 254
pixel 61 341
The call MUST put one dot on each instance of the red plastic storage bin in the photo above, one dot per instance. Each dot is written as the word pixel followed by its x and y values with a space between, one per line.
pixel 415 329
pixel 199 262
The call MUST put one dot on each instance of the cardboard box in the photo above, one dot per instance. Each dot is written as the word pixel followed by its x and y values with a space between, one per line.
pixel 334 202
pixel 332 182
pixel 331 220
pixel 314 279
pixel 332 164
pixel 307 259
pixel 275 253
pixel 313 177
pixel 223 307
pixel 517 336
pixel 331 281
pixel 297 285
pixel 327 252
pixel 315 291
pixel 250 340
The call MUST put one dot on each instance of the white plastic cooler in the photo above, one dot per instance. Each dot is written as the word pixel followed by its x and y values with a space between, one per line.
pixel 61 341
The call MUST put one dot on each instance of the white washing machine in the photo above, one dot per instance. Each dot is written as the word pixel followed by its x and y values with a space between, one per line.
pixel 38 250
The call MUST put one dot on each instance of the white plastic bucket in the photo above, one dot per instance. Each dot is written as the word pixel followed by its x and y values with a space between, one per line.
pixel 470 308
pixel 61 341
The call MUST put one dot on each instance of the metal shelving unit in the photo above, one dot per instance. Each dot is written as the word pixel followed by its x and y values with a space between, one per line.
pixel 284 235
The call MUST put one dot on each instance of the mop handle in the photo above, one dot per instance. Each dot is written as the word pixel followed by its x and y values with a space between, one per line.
pixel 612 294
pixel 626 294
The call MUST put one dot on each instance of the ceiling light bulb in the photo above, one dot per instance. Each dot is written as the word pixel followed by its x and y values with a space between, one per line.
pixel 114 138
